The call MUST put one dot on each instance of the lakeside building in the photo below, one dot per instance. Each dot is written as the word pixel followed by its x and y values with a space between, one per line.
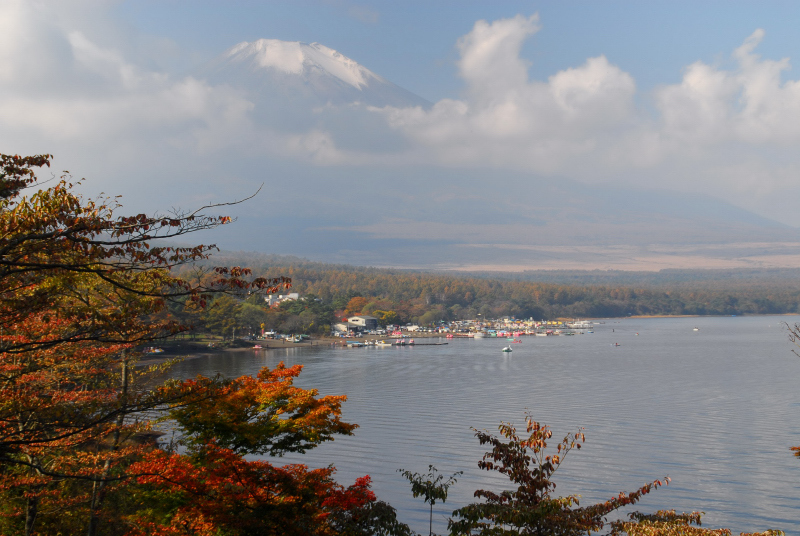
pixel 273 300
pixel 363 322
pixel 357 324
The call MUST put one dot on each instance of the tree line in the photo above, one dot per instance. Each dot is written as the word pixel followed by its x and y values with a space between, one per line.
pixel 329 293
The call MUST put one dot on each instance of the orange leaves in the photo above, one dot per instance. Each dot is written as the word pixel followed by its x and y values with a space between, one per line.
pixel 230 493
pixel 79 287
pixel 212 481
pixel 353 497
pixel 266 414
pixel 355 305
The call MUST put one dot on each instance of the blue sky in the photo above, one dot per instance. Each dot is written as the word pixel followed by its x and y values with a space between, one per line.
pixel 412 43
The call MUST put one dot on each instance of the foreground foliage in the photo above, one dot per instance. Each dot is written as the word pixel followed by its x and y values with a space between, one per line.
pixel 669 523
pixel 431 486
pixel 532 508
pixel 209 485
pixel 80 289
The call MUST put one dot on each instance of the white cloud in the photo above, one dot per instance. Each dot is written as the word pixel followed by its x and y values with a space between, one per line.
pixel 509 120
pixel 727 132
pixel 730 132
pixel 750 105
pixel 490 62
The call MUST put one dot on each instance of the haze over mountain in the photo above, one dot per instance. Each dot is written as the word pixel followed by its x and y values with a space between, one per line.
pixel 471 219
pixel 529 165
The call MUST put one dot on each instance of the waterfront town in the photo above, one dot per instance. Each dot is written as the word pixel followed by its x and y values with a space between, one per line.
pixel 370 327
pixel 362 326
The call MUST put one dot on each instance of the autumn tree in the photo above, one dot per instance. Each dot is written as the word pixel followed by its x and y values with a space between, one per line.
pixel 79 288
pixel 531 507
pixel 386 317
pixel 208 487
pixel 670 523
pixel 355 305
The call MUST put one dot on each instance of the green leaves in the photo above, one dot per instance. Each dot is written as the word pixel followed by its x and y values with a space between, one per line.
pixel 432 486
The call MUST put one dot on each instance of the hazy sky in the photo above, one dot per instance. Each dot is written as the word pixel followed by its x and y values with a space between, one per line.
pixel 686 96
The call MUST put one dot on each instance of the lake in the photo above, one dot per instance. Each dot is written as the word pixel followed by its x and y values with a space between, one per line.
pixel 715 410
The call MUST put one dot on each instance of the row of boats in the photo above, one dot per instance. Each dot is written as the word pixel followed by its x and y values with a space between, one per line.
pixel 380 344
pixel 545 333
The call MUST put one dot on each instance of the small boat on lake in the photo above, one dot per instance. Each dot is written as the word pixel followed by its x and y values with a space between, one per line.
pixel 507 349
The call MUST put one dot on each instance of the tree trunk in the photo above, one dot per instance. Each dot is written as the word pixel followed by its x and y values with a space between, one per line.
pixel 31 509
pixel 99 487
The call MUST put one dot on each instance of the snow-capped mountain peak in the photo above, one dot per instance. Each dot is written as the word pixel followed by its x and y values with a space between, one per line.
pixel 298 58
pixel 277 74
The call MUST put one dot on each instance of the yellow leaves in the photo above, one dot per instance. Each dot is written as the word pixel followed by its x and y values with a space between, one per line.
pixel 670 523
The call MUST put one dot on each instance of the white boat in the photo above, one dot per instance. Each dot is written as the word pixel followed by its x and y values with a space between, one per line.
pixel 696 329
pixel 479 335
pixel 507 349
pixel 383 344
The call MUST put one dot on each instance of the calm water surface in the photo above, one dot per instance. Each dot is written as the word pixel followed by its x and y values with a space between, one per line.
pixel 716 410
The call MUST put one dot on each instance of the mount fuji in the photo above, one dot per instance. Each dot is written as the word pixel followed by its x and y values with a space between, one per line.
pixel 313 75
pixel 336 208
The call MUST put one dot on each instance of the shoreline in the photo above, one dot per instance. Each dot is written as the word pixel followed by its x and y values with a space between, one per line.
pixel 192 349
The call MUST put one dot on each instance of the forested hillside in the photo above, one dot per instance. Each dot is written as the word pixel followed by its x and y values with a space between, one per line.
pixel 427 297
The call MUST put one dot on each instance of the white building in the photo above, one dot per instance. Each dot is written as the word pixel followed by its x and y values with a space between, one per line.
pixel 363 322
pixel 275 300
